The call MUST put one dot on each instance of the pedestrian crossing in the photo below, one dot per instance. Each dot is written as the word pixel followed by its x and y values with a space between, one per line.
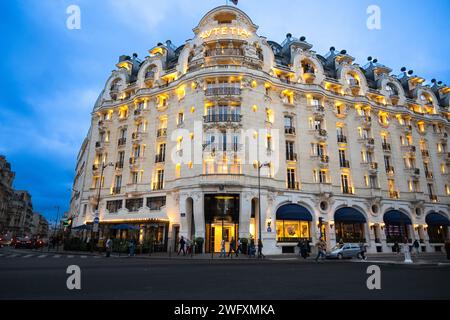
pixel 44 256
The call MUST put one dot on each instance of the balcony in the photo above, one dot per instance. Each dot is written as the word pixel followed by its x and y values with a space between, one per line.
pixel 386 147
pixel 394 194
pixel 138 135
pixel 324 161
pixel 222 91
pixel 428 175
pixel 413 171
pixel 293 185
pixel 319 111
pixel 121 142
pixel 220 52
pixel 216 118
pixel 100 145
pixel 119 165
pixel 289 130
pixel 406 128
pixel 390 170
pixel 409 148
pixel 320 134
pixel 160 158
pixel 341 139
pixel 135 161
pixel 372 166
pixel 344 163
pixel 425 153
pixel 158 185
pixel 433 198
pixel 291 157
pixel 116 190
pixel 161 133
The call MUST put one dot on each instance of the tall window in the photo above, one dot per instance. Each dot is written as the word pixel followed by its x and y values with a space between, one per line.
pixel 321 176
pixel 291 182
pixel 290 155
pixel 343 159
pixel 288 122
pixel 162 152
pixel 180 118
pixel 345 184
pixel 117 183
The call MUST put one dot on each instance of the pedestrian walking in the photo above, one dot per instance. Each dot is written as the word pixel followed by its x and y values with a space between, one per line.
pixel 188 246
pixel 362 252
pixel 232 247
pixel 239 246
pixel 182 243
pixel 416 246
pixel 396 247
pixel 260 247
pixel 108 247
pixel 132 247
pixel 321 247
pixel 304 249
pixel 223 252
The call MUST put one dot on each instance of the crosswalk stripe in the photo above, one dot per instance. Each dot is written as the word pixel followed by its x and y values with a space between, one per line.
pixel 28 256
pixel 57 256
pixel 83 257
pixel 42 256
pixel 13 256
pixel 70 257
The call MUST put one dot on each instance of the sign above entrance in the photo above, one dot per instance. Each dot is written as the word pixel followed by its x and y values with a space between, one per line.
pixel 224 31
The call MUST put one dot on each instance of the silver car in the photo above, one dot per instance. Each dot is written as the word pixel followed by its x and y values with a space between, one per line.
pixel 347 251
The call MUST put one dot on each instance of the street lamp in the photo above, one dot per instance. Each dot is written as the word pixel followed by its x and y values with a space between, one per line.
pixel 259 166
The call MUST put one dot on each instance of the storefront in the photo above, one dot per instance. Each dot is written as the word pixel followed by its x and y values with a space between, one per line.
pixel 437 227
pixel 222 220
pixel 397 227
pixel 350 224
pixel 293 223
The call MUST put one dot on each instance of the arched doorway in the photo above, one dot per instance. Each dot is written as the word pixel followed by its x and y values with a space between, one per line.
pixel 437 227
pixel 397 226
pixel 254 219
pixel 293 223
pixel 222 220
pixel 349 225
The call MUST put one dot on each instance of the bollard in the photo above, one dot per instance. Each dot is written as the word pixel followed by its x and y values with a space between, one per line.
pixel 407 254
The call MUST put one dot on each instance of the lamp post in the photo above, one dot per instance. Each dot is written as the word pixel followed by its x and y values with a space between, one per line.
pixel 259 166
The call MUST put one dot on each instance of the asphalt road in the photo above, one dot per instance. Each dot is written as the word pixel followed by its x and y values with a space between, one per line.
pixel 133 278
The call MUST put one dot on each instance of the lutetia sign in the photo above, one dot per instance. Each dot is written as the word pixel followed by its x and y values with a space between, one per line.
pixel 223 31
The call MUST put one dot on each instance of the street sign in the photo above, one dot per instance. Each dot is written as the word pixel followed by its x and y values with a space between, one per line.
pixel 95 226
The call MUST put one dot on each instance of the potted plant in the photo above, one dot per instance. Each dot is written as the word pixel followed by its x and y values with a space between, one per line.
pixel 244 243
pixel 199 244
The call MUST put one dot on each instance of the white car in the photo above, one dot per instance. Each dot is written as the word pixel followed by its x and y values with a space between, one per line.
pixel 347 251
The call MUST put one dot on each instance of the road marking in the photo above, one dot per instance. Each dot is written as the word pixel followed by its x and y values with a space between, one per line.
pixel 13 256
pixel 57 256
pixel 28 256
pixel 96 257
pixel 1 254
pixel 42 256
pixel 83 257
pixel 284 259
pixel 70 257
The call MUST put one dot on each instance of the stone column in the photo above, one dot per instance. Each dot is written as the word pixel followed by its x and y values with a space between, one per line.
pixel 426 239
pixel 245 215
pixel 184 226
pixel 199 216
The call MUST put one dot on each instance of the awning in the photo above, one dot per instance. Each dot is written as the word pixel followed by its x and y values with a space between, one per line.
pixel 124 227
pixel 348 214
pixel 293 211
pixel 437 219
pixel 82 227
pixel 396 217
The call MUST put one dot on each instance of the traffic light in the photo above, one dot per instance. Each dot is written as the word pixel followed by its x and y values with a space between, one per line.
pixel 67 223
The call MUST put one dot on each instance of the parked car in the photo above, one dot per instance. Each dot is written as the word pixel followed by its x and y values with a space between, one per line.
pixel 346 251
pixel 23 243
pixel 38 243
pixel 4 241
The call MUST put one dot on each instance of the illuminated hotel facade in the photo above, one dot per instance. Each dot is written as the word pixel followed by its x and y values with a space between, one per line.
pixel 347 152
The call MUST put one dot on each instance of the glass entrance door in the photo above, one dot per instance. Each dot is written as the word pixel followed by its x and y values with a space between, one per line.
pixel 227 232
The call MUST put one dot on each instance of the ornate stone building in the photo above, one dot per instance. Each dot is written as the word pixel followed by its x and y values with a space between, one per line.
pixel 6 190
pixel 344 151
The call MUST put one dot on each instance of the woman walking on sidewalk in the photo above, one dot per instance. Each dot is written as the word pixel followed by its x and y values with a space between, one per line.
pixel 260 247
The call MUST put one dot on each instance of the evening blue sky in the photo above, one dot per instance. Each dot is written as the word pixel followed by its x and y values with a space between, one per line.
pixel 51 76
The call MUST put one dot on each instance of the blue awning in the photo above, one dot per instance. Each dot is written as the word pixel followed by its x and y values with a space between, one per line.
pixel 437 219
pixel 124 227
pixel 396 217
pixel 348 214
pixel 293 211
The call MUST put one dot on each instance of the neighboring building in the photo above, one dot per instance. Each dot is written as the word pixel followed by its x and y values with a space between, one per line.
pixel 354 153
pixel 39 226
pixel 20 216
pixel 6 190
